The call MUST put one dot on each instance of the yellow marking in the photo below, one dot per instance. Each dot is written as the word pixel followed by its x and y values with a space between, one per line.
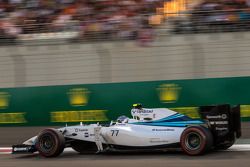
pixel 169 93
pixel 79 116
pixel 245 110
pixel 6 118
pixel 4 100
pixel 78 96
pixel 192 112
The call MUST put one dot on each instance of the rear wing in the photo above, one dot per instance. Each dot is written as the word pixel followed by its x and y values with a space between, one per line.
pixel 224 120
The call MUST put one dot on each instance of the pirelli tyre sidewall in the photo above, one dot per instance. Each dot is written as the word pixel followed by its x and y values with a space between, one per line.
pixel 196 140
pixel 50 143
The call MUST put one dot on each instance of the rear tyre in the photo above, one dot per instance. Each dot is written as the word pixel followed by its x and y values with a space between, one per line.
pixel 196 140
pixel 50 143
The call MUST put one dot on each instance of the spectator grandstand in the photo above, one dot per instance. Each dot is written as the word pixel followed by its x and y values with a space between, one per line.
pixel 215 16
pixel 91 20
pixel 88 19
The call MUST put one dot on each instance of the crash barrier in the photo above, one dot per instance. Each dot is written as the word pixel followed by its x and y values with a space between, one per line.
pixel 58 105
pixel 173 57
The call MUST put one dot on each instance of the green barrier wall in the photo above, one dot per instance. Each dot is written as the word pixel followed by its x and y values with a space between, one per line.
pixel 57 105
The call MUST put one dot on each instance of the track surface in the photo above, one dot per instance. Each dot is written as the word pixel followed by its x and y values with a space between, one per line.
pixel 167 159
pixel 16 135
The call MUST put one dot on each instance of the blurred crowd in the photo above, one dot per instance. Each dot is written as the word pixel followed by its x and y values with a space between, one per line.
pixel 92 18
pixel 217 16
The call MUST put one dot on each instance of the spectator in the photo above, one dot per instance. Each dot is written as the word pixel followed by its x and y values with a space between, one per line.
pixel 219 15
pixel 93 18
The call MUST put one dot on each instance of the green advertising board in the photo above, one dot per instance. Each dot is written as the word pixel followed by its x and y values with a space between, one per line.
pixel 57 105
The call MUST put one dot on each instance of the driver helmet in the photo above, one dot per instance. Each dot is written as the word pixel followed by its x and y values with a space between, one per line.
pixel 122 119
pixel 137 106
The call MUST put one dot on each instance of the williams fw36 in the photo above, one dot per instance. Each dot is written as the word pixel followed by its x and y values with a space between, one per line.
pixel 147 130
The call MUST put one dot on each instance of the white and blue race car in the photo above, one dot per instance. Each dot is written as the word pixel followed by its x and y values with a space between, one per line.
pixel 148 129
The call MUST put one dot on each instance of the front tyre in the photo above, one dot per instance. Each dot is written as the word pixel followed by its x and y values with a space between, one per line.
pixel 50 143
pixel 196 140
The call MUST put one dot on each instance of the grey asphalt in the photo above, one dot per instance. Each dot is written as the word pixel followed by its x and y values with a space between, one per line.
pixel 15 135
pixel 168 159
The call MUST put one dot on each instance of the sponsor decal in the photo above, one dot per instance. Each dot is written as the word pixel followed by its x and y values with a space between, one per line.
pixel 80 130
pixel 4 100
pixel 70 135
pixel 21 149
pixel 78 96
pixel 79 116
pixel 219 122
pixel 120 124
pixel 221 128
pixel 223 116
pixel 142 111
pixel 158 140
pixel 86 134
pixel 169 93
pixel 7 118
pixel 162 130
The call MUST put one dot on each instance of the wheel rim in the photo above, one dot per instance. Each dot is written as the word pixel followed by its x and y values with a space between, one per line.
pixel 46 143
pixel 193 141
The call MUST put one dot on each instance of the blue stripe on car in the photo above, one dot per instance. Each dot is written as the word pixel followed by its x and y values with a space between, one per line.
pixel 171 124
pixel 175 120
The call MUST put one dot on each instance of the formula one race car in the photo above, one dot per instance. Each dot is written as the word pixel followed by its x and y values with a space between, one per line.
pixel 148 129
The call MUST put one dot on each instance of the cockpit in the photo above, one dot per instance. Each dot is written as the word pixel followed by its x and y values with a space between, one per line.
pixel 122 119
pixel 140 114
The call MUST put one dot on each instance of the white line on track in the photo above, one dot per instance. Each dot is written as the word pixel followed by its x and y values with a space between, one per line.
pixel 239 147
pixel 236 147
pixel 5 150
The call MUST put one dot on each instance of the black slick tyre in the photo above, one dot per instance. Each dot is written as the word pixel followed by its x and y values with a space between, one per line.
pixel 50 143
pixel 196 140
